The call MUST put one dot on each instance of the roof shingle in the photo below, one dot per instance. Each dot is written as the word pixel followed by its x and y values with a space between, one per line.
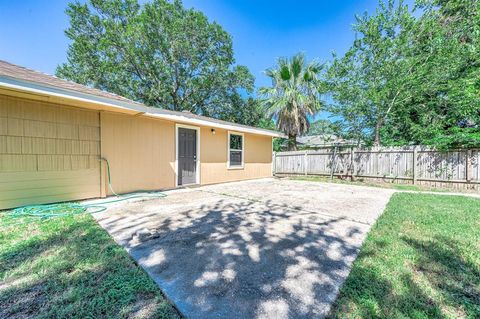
pixel 21 73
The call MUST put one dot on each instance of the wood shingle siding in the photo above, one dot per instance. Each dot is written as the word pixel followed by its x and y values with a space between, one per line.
pixel 53 134
pixel 48 153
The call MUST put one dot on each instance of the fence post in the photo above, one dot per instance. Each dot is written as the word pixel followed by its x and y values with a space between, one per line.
pixel 352 164
pixel 332 171
pixel 414 166
pixel 305 163
pixel 468 166
pixel 274 166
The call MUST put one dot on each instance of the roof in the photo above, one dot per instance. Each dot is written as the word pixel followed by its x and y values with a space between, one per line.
pixel 21 73
pixel 20 78
pixel 325 140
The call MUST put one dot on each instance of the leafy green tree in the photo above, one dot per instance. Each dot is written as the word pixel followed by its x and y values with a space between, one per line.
pixel 293 96
pixel 411 76
pixel 325 127
pixel 248 110
pixel 457 137
pixel 445 104
pixel 372 80
pixel 159 53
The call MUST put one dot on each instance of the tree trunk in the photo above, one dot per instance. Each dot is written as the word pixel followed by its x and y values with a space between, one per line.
pixel 292 142
pixel 376 141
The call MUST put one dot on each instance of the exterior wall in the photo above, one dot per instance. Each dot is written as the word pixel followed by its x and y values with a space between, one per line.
pixel 213 156
pixel 141 154
pixel 51 153
pixel 140 151
pixel 48 153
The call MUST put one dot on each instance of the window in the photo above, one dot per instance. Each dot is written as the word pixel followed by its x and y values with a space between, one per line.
pixel 235 150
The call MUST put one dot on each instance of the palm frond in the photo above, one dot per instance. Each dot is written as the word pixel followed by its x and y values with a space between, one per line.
pixel 293 94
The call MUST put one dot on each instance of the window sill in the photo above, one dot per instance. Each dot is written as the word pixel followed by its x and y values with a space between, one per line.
pixel 235 167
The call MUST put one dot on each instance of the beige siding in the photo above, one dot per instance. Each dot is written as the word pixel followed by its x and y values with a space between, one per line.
pixel 43 157
pixel 141 153
pixel 50 153
pixel 214 148
pixel 140 150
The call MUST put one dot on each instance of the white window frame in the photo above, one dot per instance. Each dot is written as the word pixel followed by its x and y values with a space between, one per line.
pixel 243 150
pixel 197 176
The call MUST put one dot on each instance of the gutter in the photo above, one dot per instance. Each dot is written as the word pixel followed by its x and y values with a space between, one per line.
pixel 233 127
pixel 48 90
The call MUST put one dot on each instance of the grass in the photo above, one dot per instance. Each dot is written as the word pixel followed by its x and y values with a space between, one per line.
pixel 371 183
pixel 420 260
pixel 69 267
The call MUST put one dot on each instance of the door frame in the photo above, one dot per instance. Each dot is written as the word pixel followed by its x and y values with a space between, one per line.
pixel 197 165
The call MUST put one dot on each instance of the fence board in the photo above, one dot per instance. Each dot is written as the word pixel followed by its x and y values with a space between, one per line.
pixel 475 159
pixel 394 163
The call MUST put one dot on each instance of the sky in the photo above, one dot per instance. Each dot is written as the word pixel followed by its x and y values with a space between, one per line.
pixel 32 31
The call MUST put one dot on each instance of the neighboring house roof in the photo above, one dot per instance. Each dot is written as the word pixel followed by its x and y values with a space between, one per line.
pixel 20 78
pixel 326 140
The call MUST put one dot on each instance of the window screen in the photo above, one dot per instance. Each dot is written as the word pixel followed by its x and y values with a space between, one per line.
pixel 236 150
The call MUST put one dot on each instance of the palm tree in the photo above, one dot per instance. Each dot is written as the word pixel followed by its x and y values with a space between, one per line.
pixel 293 95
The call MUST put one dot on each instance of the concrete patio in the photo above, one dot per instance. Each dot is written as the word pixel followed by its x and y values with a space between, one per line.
pixel 257 249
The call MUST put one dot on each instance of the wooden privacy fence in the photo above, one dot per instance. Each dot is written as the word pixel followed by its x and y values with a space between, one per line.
pixel 415 165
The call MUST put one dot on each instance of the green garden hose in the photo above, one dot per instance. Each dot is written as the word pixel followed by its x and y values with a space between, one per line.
pixel 108 174
pixel 68 209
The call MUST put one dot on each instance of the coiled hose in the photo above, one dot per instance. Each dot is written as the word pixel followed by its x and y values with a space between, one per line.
pixel 68 209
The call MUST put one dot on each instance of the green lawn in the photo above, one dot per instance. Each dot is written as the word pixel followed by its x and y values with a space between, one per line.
pixel 69 267
pixel 420 260
pixel 373 183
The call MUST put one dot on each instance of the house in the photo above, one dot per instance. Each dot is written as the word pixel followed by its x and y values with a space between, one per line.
pixel 63 141
pixel 324 141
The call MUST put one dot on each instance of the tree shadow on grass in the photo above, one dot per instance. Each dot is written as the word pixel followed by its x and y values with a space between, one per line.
pixel 454 282
pixel 70 267
pixel 367 294
pixel 456 279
